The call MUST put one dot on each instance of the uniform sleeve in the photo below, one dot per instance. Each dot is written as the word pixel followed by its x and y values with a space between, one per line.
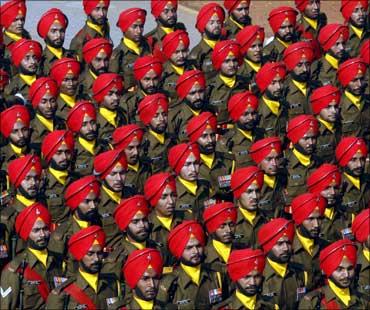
pixel 9 289
pixel 114 65
pixel 55 300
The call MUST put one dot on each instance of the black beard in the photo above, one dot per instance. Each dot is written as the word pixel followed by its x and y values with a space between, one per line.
pixel 24 71
pixel 276 259
pixel 305 233
pixel 269 95
pixel 156 130
pixel 205 151
pixel 248 126
pixel 94 21
pixel 212 36
pixel 164 23
pixel 89 216
pixel 87 269
pixel 301 150
pixel 55 166
pixel 108 186
pixel 335 282
pixel 87 138
pixel 198 105
pixel 25 194
pixel 31 244
pixel 134 237
pixel 244 23
pixel 52 44
pixel 300 78
pixel 350 172
pixel 258 290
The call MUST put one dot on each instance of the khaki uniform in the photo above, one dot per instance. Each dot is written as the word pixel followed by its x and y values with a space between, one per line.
pixel 233 303
pixel 323 71
pixel 133 305
pixel 86 81
pixel 136 179
pixel 156 35
pixel 363 273
pixel 332 229
pixel 63 107
pixel 7 155
pixel 84 160
pixel 130 103
pixel 200 56
pixel 274 50
pixel 18 90
pixel 48 58
pixel 232 28
pixel 249 75
pixel 327 142
pixel 306 30
pixel 354 42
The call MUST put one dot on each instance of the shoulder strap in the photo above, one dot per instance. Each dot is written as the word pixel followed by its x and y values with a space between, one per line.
pixel 80 296
pixel 32 275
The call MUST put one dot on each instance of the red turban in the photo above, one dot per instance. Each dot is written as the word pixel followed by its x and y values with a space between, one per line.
pixel 262 148
pixel 10 10
pixel 272 231
pixel 186 81
pixel 77 113
pixel 129 16
pixel 242 262
pixel 198 124
pixel 181 234
pixel 178 154
pixel 156 184
pixel 215 215
pixel 94 47
pixel 246 37
pixel 80 242
pixel 305 204
pixel 146 63
pixel 4 76
pixel 348 70
pixel 138 262
pixel 10 116
pixel 322 177
pixel 361 224
pixel 159 5
pixel 321 97
pixel 48 19
pixel 104 83
pixel 128 208
pixel 300 125
pixel 28 217
pixel 77 191
pixel 90 5
pixel 330 33
pixel 301 4
pixel 205 14
pixel 242 178
pixel 295 52
pixel 349 146
pixel 222 50
pixel 348 7
pixel 22 47
pixel 268 72
pixel 53 140
pixel 331 256
pixel 122 136
pixel 40 88
pixel 239 102
pixel 230 5
pixel 365 51
pixel 64 66
pixel 172 40
pixel 19 167
pixel 278 15
pixel 105 162
pixel 149 106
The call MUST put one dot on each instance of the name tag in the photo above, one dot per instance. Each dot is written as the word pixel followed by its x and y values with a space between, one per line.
pixel 185 206
pixel 324 146
pixel 83 306
pixel 111 301
pixel 350 204
pixel 242 153
pixel 33 282
pixel 265 202
pixel 217 102
pixel 208 62
pixel 156 159
pixel 301 291
pixel 82 166
pixel 105 215
pixel 52 195
pixel 295 176
pixel 183 302
pixel 224 181
pixel 130 66
pixel 215 295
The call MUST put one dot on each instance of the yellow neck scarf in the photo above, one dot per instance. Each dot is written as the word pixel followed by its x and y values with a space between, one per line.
pixel 69 100
pixel 25 201
pixel 273 105
pixel 192 272
pixel 366 253
pixel 240 26
pixel 254 65
pixel 302 86
pixel 191 186
pixel 131 45
pixel 248 215
pixel 167 30
pixel 210 43
pixel 41 255
pixel 97 28
pixel 311 22
pixel 355 181
pixel 87 145
pixel 305 160
pixel 246 133
pixel 356 100
pixel 116 197
pixel 307 243
pixel 228 81
pixel 57 52
pixel 61 176
pixel 15 37
pixel 48 123
pixel 82 224
pixel 159 136
pixel 208 159
pixel 138 245
pixel 94 76
pixel 285 44
pixel 357 31
pixel 329 213
pixel 91 278
pixel 178 70
pixel 332 61
pixel 342 293
pixel 269 180
pixel 222 249
pixel 248 301
pixel 329 126
pixel 110 116
pixel 195 112
pixel 133 167
pixel 279 268
pixel 17 150
pixel 165 221
pixel 28 79
pixel 144 304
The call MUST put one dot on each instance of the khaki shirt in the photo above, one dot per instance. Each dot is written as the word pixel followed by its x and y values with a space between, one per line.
pixel 84 160
pixel 39 131
pixel 327 142
pixel 201 57
pixel 136 180
pixel 232 29
pixel 354 43
pixel 363 273
pixel 274 51
pixel 233 303
pixel 323 71
pixel 48 58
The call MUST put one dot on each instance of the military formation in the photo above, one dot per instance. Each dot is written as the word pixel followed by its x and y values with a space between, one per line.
pixel 234 175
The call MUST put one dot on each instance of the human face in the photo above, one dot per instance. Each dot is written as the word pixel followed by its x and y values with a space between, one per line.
pixel 225 232
pixel 39 235
pixel 116 178
pixel 132 151
pixel 338 48
pixel 286 31
pixel 275 88
pixel 213 28
pixel 254 52
pixel 30 184
pixel 88 208
pixel 357 164
pixel 168 16
pixel 20 134
pixel 251 283
pixel 100 63
pixel 207 141
pixel 312 9
pixel 166 203
pixel 308 142
pixel 331 193
pixel 150 82
pixel 229 66
pixel 147 286
pixel 135 31
pixel 357 85
pixel 138 229
pixel 195 96
pixel 358 16
pixel 29 64
pixel 158 122
pixel 89 128
pixel 92 261
pixel 270 164
pixel 190 169
pixel 99 14
pixel 249 119
pixel 111 99
pixel 62 157
pixel 282 250
pixel 47 106
pixel 330 113
pixel 69 84
pixel 193 253
pixel 312 224
pixel 302 71
pixel 179 56
pixel 241 13
pixel 55 36
pixel 250 197
pixel 17 25
pixel 344 274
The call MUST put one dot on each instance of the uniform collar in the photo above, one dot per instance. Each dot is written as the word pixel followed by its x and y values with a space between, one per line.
pixel 82 224
pixel 283 43
pixel 358 31
pixel 248 215
pixel 57 52
pixel 356 100
pixel 91 279
pixel 165 221
pixel 99 29
pixel 302 86
pixel 87 145
pixel 329 126
pixel 228 81
pixel 28 79
pixel 354 180
pixel 210 43
pixel 177 69
pixel 137 245
pixel 343 294
pixel 191 186
pixel 208 159
pixel 366 253
pixel 240 26
pixel 69 100
pixel 332 61
pixel 329 213
pixel 158 136
pixel 305 160
pixel 193 272
pixel 246 133
pixel 270 181
pixel 19 151
pixel 222 249
pixel 248 302
pixel 312 22
pixel 254 65
pixel 195 112
pixel 144 304
pixel 307 243
pixel 41 255
pixel 134 167
pixel 59 175
pixel 24 200
pixel 273 105
pixel 110 116
pixel 131 45
pixel 15 37
pixel 167 30
pixel 116 197
pixel 280 269
pixel 48 123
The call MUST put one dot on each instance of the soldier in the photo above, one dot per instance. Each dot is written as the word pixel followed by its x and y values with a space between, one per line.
pixel 246 185
pixel 107 91
pixel 238 17
pixel 307 212
pixel 324 103
pixel 209 23
pixel 284 279
pixel 338 263
pixel 355 15
pixel 132 46
pixel 128 139
pixel 282 21
pixel 89 288
pixel 27 280
pixel 242 108
pixel 4 80
pixel 193 285
pixel 96 26
pixel 365 55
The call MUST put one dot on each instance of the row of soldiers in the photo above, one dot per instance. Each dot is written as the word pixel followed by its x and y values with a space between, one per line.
pixel 145 176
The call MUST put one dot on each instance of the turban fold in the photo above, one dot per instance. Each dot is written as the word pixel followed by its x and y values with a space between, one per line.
pixel 50 17
pixel 215 215
pixel 10 116
pixel 349 146
pixel 149 106
pixel 321 97
pixel 272 231
pixel 365 51
pixel 10 10
pixel 77 191
pixel 104 83
pixel 19 167
pixel 129 16
pixel 322 177
pixel 349 69
pixel 222 50
pixel 295 52
pixel 329 34
pixel 22 47
pixel 242 178
pixel 187 80
pixel 77 113
pixel 262 148
pixel 159 5
pixel 105 162
pixel 4 75
pixel 268 72
pixel 198 124
pixel 246 37
pixel 239 102
pixel 146 63
pixel 348 7
pixel 90 5
pixel 64 66
pixel 53 140
pixel 230 5
pixel 361 224
pixel 300 125
pixel 305 204
pixel 172 40
pixel 179 153
pixel 123 136
pixel 205 14
pixel 94 47
pixel 40 88
pixel 156 184
pixel 301 4
pixel 278 15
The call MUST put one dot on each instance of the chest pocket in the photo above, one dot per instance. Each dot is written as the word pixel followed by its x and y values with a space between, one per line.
pixel 54 199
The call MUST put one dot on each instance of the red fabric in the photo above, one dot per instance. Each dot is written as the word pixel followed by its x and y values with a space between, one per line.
pixel 222 50
pixel 10 10
pixel 278 15
pixel 31 275
pixel 272 231
pixel 146 63
pixel 365 51
pixel 321 97
pixel 41 87
pixel 81 241
pixel 322 177
pixel 80 296
pixel 149 106
pixel 301 4
pixel 53 140
pixel 156 184
pixel 295 52
pixel 19 167
pixel 178 154
pixel 198 124
pixel 205 14
pixel 64 66
pixel 77 191
pixel 4 76
pixel 242 178
pixel 123 136
pixel 22 47
pixel 105 162
pixel 215 215
pixel 10 116
pixel 27 218
pixel 128 208
pixel 104 83
pixel 331 256
pixel 230 5
pixel 303 205
pixel 138 262
pixel 94 46
pixel 77 113
pixel 159 5
pixel 187 80
pixel 298 126
pixel 347 147
pixel 348 6
pixel 262 148
pixel 246 37
pixel 48 19
pixel 330 33
pixel 129 16
pixel 268 72
pixel 242 262
pixel 90 5
pixel 360 225
pixel 180 236
pixel 239 102
pixel 349 69
pixel 172 40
